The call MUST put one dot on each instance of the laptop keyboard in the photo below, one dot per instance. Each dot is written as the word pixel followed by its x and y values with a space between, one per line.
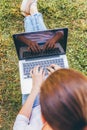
pixel 51 52
pixel 28 66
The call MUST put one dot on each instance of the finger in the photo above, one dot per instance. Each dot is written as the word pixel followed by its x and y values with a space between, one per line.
pixel 38 48
pixel 41 70
pixel 50 69
pixel 36 69
pixel 43 73
pixel 45 46
pixel 28 48
pixel 55 46
pixel 33 48
pixel 51 45
pixel 48 46
pixel 55 66
pixel 49 72
pixel 31 72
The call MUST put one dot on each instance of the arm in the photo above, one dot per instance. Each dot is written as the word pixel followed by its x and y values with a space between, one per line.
pixel 24 39
pixel 24 114
pixel 58 36
pixel 37 78
pixel 27 107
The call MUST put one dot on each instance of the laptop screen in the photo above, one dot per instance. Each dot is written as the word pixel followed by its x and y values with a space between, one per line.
pixel 41 43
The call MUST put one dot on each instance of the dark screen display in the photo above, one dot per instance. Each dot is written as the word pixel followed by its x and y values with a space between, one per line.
pixel 50 42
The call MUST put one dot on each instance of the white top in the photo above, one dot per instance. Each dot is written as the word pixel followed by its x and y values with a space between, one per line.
pixel 23 123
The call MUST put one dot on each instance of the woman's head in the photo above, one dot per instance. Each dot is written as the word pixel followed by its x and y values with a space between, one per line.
pixel 63 100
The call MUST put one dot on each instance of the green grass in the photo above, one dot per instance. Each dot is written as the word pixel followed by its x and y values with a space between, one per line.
pixel 57 14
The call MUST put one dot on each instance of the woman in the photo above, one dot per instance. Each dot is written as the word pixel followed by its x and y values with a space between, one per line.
pixel 63 93
pixel 62 98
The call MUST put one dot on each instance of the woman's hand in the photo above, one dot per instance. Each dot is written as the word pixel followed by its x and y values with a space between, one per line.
pixel 33 47
pixel 52 68
pixel 51 43
pixel 37 78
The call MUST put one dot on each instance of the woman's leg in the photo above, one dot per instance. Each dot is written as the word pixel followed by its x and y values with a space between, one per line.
pixel 34 21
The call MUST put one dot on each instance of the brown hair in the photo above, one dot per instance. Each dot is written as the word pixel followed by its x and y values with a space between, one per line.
pixel 63 100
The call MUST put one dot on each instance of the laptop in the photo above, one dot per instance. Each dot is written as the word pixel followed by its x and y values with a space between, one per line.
pixel 29 59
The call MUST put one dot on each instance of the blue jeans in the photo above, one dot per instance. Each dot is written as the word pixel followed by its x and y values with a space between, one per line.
pixel 33 23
